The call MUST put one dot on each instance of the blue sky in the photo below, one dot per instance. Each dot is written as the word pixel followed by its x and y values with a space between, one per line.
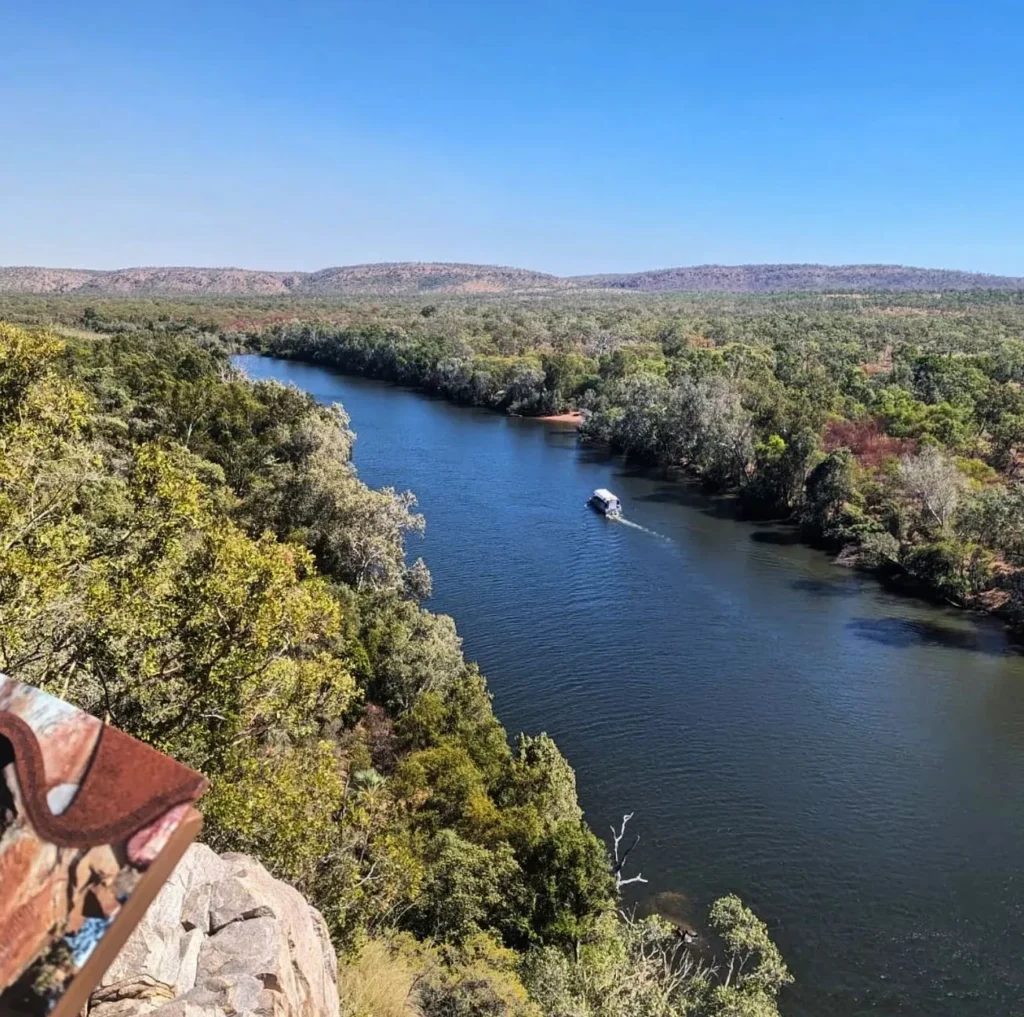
pixel 564 136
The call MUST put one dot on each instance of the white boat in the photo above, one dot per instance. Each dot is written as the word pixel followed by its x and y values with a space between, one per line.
pixel 606 503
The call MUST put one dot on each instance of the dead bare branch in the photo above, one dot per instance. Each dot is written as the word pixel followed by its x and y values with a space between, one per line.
pixel 620 861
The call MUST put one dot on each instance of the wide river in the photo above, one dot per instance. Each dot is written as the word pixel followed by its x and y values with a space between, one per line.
pixel 849 761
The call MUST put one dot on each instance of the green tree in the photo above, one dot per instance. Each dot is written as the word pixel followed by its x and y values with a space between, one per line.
pixel 541 777
pixel 828 490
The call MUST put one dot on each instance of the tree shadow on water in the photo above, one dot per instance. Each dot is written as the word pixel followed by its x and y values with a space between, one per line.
pixel 633 470
pixel 829 588
pixel 692 497
pixel 904 633
pixel 595 455
pixel 559 439
pixel 780 538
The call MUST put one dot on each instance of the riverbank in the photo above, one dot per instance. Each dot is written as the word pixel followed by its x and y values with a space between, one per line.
pixel 994 604
pixel 575 418
pixel 995 601
pixel 779 726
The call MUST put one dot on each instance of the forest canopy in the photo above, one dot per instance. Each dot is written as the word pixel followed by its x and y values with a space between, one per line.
pixel 194 558
pixel 888 427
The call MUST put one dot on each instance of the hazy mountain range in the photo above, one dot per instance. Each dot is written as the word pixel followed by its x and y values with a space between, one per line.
pixel 423 278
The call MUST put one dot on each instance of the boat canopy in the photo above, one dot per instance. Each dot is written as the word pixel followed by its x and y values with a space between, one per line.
pixel 605 495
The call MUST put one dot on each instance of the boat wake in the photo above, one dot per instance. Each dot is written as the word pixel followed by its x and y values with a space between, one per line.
pixel 643 529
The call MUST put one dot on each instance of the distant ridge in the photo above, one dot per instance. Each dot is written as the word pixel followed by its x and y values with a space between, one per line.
pixel 425 278
pixel 791 278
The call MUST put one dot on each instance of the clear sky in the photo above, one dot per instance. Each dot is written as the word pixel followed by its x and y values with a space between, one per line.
pixel 564 136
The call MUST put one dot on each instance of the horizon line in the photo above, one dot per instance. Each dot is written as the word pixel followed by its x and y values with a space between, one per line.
pixel 512 268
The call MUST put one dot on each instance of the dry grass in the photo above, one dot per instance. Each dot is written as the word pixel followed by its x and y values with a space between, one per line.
pixel 378 982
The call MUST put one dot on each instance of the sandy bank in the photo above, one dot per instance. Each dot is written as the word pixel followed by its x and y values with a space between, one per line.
pixel 573 418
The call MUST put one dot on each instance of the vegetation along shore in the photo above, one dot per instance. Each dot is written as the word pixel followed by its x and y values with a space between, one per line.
pixel 888 426
pixel 194 557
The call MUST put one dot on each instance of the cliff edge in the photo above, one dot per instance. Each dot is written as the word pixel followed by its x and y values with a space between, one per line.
pixel 223 938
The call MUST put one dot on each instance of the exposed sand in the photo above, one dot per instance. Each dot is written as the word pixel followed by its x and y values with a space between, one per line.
pixel 573 418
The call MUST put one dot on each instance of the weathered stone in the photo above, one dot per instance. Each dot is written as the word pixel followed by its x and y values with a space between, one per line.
pixel 140 995
pixel 143 987
pixel 226 940
pixel 195 912
pixel 184 1008
pixel 243 947
pixel 189 949
pixel 237 899
pixel 127 1007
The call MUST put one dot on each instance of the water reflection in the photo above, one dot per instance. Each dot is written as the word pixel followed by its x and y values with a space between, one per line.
pixel 779 538
pixel 688 494
pixel 906 632
pixel 828 588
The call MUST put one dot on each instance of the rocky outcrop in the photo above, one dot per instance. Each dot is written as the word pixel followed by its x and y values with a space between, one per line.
pixel 223 939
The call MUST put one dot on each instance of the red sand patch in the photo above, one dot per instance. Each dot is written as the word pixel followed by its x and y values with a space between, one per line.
pixel 574 418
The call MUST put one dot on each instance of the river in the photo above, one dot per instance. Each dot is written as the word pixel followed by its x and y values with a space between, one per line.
pixel 849 761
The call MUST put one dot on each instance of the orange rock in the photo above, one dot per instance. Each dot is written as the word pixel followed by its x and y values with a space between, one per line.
pixel 35 877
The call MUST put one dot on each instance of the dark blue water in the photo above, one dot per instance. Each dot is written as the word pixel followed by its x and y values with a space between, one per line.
pixel 850 762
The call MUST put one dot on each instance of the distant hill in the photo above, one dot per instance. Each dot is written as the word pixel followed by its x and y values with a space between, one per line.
pixel 382 279
pixel 793 278
pixel 424 278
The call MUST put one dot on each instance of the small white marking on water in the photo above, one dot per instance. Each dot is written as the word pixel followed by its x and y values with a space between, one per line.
pixel 644 529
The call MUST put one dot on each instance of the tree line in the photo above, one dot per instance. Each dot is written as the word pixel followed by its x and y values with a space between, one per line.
pixel 194 557
pixel 892 433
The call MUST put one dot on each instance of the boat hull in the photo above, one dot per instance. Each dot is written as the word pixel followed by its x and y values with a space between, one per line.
pixel 609 512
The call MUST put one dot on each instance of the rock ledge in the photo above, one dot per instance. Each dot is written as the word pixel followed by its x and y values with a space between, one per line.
pixel 223 939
